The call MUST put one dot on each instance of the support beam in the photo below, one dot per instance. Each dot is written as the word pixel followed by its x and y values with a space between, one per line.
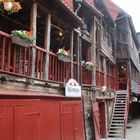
pixel 33 26
pixel 71 54
pixel 47 46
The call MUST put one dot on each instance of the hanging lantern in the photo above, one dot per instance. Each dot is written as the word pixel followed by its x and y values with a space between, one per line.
pixel 8 6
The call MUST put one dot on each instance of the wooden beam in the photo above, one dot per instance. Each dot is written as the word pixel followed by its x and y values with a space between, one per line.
pixel 33 29
pixel 47 46
pixel 71 54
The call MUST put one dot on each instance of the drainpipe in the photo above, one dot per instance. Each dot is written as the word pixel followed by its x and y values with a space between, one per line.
pixel 80 82
pixel 78 8
pixel 80 68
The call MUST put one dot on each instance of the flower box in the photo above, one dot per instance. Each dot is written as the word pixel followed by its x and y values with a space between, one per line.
pixel 63 58
pixel 89 68
pixel 21 42
pixel 89 65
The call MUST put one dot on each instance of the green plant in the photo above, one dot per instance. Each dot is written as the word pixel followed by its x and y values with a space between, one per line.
pixel 63 52
pixel 25 35
pixel 90 64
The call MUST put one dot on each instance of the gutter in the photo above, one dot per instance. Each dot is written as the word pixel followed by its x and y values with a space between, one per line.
pixel 91 8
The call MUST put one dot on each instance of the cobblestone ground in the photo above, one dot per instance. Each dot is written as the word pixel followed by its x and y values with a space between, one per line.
pixel 133 131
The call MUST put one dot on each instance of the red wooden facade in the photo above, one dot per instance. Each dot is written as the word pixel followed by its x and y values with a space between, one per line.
pixel 41 119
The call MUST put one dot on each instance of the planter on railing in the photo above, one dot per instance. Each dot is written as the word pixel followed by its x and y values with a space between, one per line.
pixel 89 65
pixel 63 55
pixel 89 68
pixel 21 42
pixel 22 38
pixel 63 58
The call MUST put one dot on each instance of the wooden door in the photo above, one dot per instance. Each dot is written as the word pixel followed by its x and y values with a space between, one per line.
pixel 27 123
pixel 95 110
pixel 72 124
pixel 19 120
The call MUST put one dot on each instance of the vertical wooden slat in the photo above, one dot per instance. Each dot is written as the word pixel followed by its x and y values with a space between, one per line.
pixel 24 61
pixel 53 69
pixel 19 61
pixel 3 52
pixel 58 76
pixel 9 55
pixel 14 61
pixel 41 61
pixel 29 60
pixel 50 71
pixel 37 63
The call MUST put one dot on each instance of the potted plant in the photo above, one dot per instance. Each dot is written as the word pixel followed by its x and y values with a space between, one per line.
pixel 89 65
pixel 63 55
pixel 22 38
pixel 10 6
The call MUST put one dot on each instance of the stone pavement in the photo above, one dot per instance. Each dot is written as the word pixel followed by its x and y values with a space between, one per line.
pixel 133 131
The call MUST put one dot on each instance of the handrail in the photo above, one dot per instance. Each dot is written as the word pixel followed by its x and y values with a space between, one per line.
pixel 126 108
pixel 5 34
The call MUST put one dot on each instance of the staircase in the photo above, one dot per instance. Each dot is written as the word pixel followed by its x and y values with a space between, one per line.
pixel 119 119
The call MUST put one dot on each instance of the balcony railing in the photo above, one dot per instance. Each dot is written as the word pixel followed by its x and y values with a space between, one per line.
pixel 100 80
pixel 17 60
pixel 110 81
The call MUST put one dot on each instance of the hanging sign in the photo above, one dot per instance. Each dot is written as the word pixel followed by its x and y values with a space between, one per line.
pixel 72 89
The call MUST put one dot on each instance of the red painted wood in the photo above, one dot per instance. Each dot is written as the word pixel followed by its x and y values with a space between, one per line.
pixel 28 122
pixel 78 130
pixel 6 123
pixel 67 123
pixel 9 56
pixel 97 77
pixel 41 63
pixel 91 2
pixel 29 60
pixel 14 59
pixel 37 63
pixel 19 61
pixel 24 61
pixel 50 120
pixel 102 112
pixel 71 119
pixel 69 4
pixel 95 109
pixel 3 52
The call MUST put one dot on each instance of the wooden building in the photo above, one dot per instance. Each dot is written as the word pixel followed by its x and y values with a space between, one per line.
pixel 33 103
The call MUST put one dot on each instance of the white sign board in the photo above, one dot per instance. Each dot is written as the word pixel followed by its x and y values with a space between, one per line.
pixel 72 89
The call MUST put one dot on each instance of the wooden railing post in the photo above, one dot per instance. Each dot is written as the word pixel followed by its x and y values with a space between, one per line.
pixel 71 54
pixel 33 29
pixel 47 46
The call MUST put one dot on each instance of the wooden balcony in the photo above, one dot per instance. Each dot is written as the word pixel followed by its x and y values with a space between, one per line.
pixel 110 80
pixel 17 60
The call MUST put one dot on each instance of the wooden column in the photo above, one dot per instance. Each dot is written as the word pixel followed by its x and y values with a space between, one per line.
pixel 78 56
pixel 33 29
pixel 47 46
pixel 72 54
pixel 105 76
pixel 93 51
